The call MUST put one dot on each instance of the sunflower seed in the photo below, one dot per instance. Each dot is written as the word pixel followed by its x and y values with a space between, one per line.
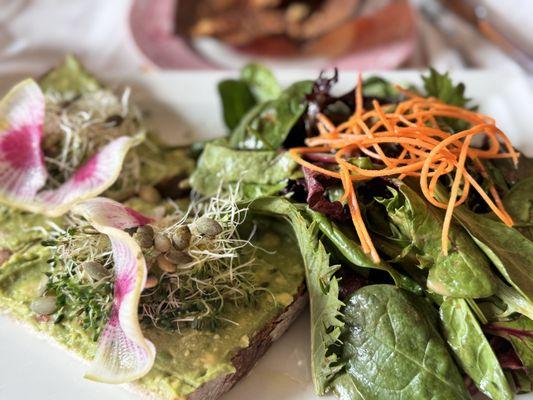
pixel 151 282
pixel 161 243
pixel 95 270
pixel 208 226
pixel 182 238
pixel 145 236
pixel 144 241
pixel 178 257
pixel 165 265
pixel 146 230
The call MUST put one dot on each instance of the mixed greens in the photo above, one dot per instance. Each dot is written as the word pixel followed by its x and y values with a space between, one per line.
pixel 417 322
pixel 419 287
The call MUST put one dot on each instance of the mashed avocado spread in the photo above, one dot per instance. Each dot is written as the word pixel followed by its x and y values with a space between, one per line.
pixel 185 359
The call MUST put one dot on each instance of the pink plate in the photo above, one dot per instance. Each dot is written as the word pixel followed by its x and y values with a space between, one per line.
pixel 379 45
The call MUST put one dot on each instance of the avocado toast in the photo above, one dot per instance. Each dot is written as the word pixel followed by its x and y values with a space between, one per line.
pixel 218 300
pixel 202 363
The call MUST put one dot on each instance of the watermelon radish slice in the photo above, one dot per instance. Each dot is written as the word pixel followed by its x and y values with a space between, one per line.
pixel 22 170
pixel 123 354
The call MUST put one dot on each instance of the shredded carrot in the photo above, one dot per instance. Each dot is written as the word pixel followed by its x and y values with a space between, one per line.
pixel 453 194
pixel 359 96
pixel 425 151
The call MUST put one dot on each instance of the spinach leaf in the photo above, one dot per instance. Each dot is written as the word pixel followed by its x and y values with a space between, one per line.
pixel 507 248
pixel 256 173
pixel 236 100
pixel 519 204
pixel 464 272
pixel 520 333
pixel 261 82
pixel 69 77
pixel 267 125
pixel 353 252
pixel 393 351
pixel 323 290
pixel 472 349
pixel 345 389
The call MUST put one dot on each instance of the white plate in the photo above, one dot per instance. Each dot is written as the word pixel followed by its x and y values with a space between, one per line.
pixel 185 106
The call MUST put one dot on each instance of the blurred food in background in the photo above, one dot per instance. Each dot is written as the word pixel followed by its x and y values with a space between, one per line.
pixel 224 33
pixel 293 27
pixel 279 27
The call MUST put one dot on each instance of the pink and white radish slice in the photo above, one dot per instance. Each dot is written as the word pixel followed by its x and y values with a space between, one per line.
pixel 22 170
pixel 123 353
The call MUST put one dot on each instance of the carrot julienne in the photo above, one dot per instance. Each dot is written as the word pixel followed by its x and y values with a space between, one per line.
pixel 426 152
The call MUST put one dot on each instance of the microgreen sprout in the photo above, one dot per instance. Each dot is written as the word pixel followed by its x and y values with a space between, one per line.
pixel 79 296
pixel 77 127
pixel 195 282
pixel 219 270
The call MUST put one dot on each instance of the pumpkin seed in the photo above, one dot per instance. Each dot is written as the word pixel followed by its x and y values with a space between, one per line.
pixel 151 282
pixel 144 241
pixel 165 265
pixel 146 230
pixel 145 236
pixel 95 270
pixel 178 257
pixel 182 238
pixel 161 243
pixel 208 226
pixel 149 194
pixel 45 305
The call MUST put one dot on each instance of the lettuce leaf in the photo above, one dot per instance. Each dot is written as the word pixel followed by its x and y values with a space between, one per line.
pixel 519 204
pixel 442 87
pixel 520 333
pixel 322 286
pixel 472 349
pixel 237 100
pixel 464 272
pixel 354 253
pixel 70 77
pixel 256 173
pixel 267 125
pixel 261 81
pixel 510 252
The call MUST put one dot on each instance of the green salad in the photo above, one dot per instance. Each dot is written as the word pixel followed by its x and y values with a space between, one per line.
pixel 402 212
pixel 393 315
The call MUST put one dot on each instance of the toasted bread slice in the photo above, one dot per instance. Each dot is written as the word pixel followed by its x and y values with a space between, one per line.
pixel 244 359
pixel 176 374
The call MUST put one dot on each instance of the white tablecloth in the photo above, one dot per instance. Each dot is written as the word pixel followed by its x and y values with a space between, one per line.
pixel 35 35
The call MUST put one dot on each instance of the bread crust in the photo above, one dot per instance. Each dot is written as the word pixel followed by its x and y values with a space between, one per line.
pixel 245 359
